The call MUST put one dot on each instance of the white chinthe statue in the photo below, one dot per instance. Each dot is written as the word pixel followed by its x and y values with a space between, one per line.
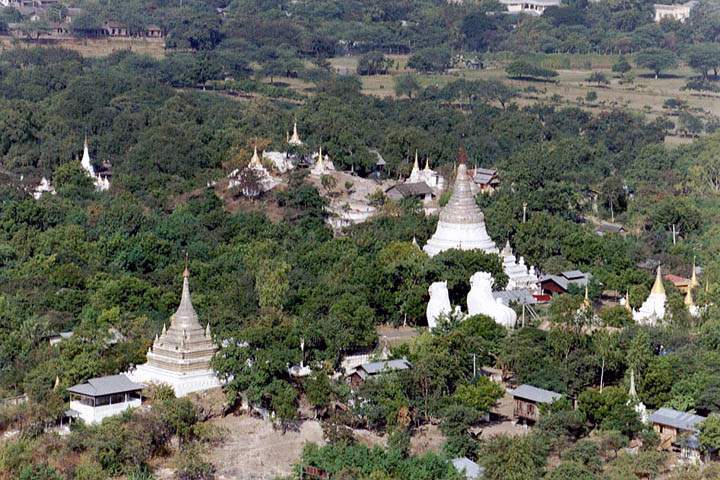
pixel 480 301
pixel 439 303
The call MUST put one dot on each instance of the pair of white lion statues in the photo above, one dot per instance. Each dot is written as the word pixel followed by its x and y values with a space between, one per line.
pixel 479 301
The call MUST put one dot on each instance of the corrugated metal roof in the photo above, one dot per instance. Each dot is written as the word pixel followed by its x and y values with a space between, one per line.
pixel 534 394
pixel 472 470
pixel 675 418
pixel 373 368
pixel 96 387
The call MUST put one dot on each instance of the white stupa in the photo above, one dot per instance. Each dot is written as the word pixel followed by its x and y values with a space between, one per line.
pixel 693 309
pixel 461 224
pixel 652 310
pixel 101 181
pixel 634 400
pixel 43 187
pixel 295 138
pixel 428 176
pixel 323 165
pixel 480 301
pixel 181 356
pixel 520 277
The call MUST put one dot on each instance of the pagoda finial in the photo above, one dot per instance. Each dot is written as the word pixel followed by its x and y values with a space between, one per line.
pixel 586 301
pixel 658 286
pixel 164 330
pixel 689 302
pixel 693 278
pixel 427 163
pixel 462 156
pixel 57 382
pixel 416 167
pixel 186 272
pixel 207 330
pixel 627 301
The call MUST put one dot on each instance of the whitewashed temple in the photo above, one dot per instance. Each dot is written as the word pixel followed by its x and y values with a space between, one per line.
pixel 428 176
pixel 295 138
pixel 652 310
pixel 181 356
pixel 461 224
pixel 520 277
pixel 101 181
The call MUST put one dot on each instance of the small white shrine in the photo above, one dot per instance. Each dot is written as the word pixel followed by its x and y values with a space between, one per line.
pixel 295 138
pixel 428 176
pixel 103 397
pixel 323 165
pixel 101 180
pixel 520 277
pixel 635 402
pixel 265 181
pixel 43 187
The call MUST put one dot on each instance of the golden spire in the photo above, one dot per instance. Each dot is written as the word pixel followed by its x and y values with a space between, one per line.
pixel 427 163
pixel 627 301
pixel 586 301
pixel 255 160
pixel 693 278
pixel 658 286
pixel 689 302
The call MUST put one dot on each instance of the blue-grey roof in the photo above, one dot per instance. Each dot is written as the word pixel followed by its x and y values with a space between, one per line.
pixel 472 470
pixel 523 297
pixel 96 387
pixel 676 419
pixel 534 394
pixel 373 368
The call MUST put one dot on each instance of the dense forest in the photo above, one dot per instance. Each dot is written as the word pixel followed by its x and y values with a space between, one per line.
pixel 102 263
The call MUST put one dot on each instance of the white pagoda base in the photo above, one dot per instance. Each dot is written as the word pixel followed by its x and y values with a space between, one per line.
pixel 471 236
pixel 182 384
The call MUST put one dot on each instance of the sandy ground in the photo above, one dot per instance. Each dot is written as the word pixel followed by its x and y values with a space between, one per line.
pixel 253 450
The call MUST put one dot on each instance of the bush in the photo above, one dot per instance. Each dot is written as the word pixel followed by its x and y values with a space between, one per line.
pixel 521 69
pixel 436 59
pixel 192 465
pixel 373 63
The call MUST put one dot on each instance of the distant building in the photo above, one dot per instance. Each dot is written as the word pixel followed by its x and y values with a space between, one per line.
pixel 531 7
pixel 528 400
pixel 554 284
pixel 678 431
pixel 470 469
pixel 610 228
pixel 114 29
pixel 418 190
pixel 486 180
pixel 103 397
pixel 679 11
pixel 367 370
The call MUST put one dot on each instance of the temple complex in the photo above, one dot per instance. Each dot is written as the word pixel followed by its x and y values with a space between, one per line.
pixel 653 309
pixel 265 181
pixel 520 277
pixel 181 356
pixel 100 179
pixel 427 176
pixel 461 224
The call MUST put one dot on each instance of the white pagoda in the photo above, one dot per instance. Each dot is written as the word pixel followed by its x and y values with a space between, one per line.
pixel 102 182
pixel 264 179
pixel 635 402
pixel 652 310
pixel 428 176
pixel 323 165
pixel 181 356
pixel 461 224
pixel 520 277
pixel 295 138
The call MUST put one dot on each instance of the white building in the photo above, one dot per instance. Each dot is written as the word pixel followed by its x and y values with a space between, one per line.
pixel 43 187
pixel 265 181
pixel 520 277
pixel 181 357
pixel 100 179
pixel 652 310
pixel 679 12
pixel 427 175
pixel 531 7
pixel 103 397
pixel 461 224
pixel 295 138
pixel 323 165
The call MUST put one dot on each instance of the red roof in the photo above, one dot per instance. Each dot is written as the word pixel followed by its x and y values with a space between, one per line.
pixel 676 279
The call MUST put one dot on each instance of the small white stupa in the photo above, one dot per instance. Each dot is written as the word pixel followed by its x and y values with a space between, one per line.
pixel 428 176
pixel 520 277
pixel 181 356
pixel 102 182
pixel 43 187
pixel 295 138
pixel 634 400
pixel 439 303
pixel 693 309
pixel 323 165
pixel 652 310
pixel 480 301
pixel 461 224
pixel 264 179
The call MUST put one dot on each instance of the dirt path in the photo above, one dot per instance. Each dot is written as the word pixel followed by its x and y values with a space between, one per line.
pixel 254 451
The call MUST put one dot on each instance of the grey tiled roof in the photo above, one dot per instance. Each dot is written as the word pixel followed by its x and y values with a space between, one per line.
pixel 412 189
pixel 96 387
pixel 534 394
pixel 676 419
pixel 374 368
